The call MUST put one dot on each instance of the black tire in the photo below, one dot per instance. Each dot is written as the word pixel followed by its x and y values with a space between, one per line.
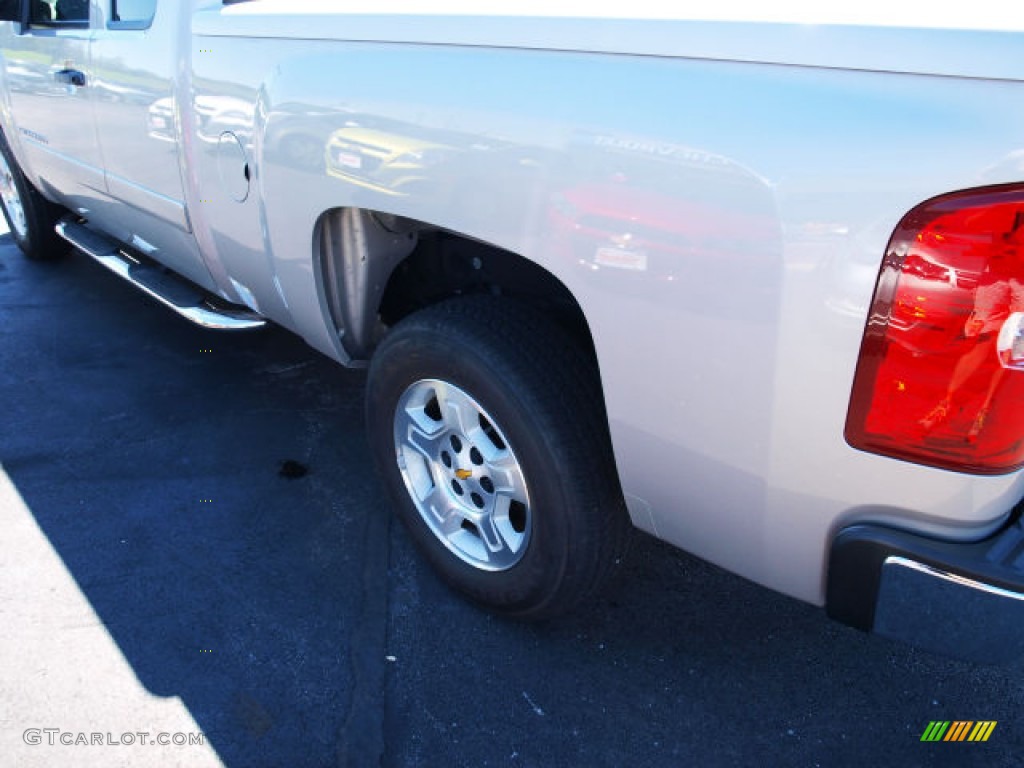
pixel 543 395
pixel 33 231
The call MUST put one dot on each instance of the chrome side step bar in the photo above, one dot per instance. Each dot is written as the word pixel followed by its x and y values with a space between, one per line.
pixel 171 290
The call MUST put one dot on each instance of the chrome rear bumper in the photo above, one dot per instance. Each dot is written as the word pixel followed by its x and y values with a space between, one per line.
pixel 960 599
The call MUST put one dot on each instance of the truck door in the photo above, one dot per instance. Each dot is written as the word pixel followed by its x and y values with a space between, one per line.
pixel 49 80
pixel 135 53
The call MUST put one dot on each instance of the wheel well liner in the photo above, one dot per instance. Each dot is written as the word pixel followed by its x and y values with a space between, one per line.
pixel 377 268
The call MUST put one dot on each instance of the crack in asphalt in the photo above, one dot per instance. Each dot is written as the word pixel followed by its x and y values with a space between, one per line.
pixel 361 739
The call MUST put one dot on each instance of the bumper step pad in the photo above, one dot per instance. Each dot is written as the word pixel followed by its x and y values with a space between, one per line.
pixel 962 599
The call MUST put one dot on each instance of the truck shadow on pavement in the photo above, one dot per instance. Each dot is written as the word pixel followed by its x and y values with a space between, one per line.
pixel 299 627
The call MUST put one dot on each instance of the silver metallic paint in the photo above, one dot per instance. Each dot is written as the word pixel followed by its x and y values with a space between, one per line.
pixel 716 198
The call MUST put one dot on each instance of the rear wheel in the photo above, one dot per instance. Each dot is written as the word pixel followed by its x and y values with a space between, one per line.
pixel 30 216
pixel 488 429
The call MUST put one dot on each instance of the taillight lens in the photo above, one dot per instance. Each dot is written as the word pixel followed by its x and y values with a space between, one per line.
pixel 940 379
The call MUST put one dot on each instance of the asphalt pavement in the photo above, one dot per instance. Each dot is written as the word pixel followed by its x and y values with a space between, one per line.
pixel 193 546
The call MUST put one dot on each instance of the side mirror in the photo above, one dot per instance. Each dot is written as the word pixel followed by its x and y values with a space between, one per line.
pixel 12 10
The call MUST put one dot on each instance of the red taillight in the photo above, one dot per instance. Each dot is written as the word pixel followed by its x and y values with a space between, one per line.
pixel 940 379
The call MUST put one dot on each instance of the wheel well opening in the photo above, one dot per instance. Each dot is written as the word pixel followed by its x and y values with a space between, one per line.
pixel 445 265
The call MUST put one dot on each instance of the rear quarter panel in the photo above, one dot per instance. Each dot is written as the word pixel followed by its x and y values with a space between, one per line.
pixel 720 223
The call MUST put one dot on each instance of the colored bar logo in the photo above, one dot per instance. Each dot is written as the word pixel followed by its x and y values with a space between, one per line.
pixel 959 730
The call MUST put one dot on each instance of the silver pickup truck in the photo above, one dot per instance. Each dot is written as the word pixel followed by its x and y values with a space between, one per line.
pixel 755 286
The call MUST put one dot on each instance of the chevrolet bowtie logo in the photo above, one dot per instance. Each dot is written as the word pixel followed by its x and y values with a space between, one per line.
pixel 463 474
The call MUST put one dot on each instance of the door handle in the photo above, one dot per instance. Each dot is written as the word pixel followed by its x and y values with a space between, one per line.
pixel 70 77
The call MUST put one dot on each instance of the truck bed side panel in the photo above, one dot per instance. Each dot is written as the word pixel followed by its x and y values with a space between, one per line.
pixel 721 225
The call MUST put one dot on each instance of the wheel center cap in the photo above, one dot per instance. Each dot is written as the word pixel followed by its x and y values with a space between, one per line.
pixel 463 474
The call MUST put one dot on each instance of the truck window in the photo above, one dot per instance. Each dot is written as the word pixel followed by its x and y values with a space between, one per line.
pixel 132 14
pixel 59 11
